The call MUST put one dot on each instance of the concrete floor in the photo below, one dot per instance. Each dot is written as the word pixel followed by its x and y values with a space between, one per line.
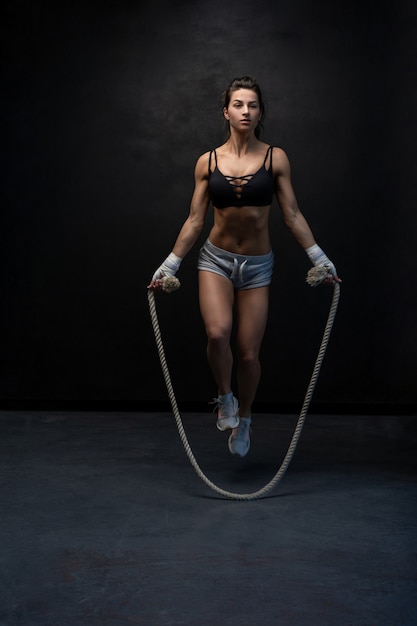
pixel 104 522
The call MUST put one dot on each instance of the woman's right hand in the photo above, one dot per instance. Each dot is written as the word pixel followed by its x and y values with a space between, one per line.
pixel 168 268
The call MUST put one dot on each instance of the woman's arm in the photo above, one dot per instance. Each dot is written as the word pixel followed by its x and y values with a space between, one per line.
pixel 284 191
pixel 293 217
pixel 194 223
pixel 192 226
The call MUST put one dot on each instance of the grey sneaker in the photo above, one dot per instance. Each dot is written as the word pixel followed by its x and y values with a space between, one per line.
pixel 239 441
pixel 227 412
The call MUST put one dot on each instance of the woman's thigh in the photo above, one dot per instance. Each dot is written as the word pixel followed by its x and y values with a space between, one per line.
pixel 216 295
pixel 252 307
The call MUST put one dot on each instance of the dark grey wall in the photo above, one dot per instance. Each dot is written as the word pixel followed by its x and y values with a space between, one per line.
pixel 108 106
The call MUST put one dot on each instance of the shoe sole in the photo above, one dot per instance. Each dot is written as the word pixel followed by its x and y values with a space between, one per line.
pixel 220 427
pixel 219 421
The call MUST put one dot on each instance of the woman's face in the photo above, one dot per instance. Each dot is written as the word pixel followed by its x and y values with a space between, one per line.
pixel 243 111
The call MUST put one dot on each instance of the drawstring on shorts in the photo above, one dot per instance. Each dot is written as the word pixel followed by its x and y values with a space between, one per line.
pixel 237 271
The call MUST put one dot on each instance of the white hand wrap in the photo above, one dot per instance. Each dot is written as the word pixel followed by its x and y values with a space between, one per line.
pixel 169 267
pixel 317 257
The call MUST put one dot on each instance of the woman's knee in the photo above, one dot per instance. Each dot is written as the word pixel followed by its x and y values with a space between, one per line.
pixel 249 357
pixel 218 335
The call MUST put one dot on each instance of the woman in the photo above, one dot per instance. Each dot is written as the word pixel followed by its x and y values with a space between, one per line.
pixel 235 263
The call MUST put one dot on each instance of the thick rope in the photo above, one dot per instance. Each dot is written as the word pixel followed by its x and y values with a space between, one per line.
pixel 300 423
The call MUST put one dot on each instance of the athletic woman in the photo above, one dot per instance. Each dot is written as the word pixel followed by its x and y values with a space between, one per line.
pixel 239 179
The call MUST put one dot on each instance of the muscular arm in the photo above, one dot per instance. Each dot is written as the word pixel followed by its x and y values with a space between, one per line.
pixel 293 217
pixel 193 225
pixel 284 191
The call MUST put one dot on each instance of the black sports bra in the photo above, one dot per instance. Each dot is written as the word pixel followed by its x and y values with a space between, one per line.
pixel 251 190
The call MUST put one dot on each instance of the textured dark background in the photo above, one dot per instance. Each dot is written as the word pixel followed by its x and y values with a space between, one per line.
pixel 107 106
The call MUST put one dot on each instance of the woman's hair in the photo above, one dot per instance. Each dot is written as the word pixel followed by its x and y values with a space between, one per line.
pixel 244 82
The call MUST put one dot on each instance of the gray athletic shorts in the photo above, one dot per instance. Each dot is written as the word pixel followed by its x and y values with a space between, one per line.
pixel 245 272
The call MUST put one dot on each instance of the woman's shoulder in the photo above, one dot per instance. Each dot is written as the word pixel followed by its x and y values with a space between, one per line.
pixel 278 152
pixel 204 155
pixel 279 155
pixel 202 165
pixel 203 159
pixel 280 161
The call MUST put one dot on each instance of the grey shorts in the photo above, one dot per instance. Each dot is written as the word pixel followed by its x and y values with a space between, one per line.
pixel 245 272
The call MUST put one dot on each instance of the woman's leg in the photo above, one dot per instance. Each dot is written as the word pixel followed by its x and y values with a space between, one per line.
pixel 252 313
pixel 216 295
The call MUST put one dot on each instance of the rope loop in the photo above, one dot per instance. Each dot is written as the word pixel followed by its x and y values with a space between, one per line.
pixel 301 419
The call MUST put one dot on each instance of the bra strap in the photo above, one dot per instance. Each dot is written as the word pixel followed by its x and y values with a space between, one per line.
pixel 209 163
pixel 268 152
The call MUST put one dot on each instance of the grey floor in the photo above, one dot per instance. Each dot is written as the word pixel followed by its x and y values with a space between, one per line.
pixel 105 522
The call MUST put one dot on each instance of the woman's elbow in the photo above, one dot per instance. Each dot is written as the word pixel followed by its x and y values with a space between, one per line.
pixel 196 224
pixel 290 220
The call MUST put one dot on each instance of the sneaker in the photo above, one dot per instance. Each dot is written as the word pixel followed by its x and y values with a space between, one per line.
pixel 227 412
pixel 239 440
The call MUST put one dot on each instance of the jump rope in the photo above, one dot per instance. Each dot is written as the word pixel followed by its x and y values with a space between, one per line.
pixel 315 276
